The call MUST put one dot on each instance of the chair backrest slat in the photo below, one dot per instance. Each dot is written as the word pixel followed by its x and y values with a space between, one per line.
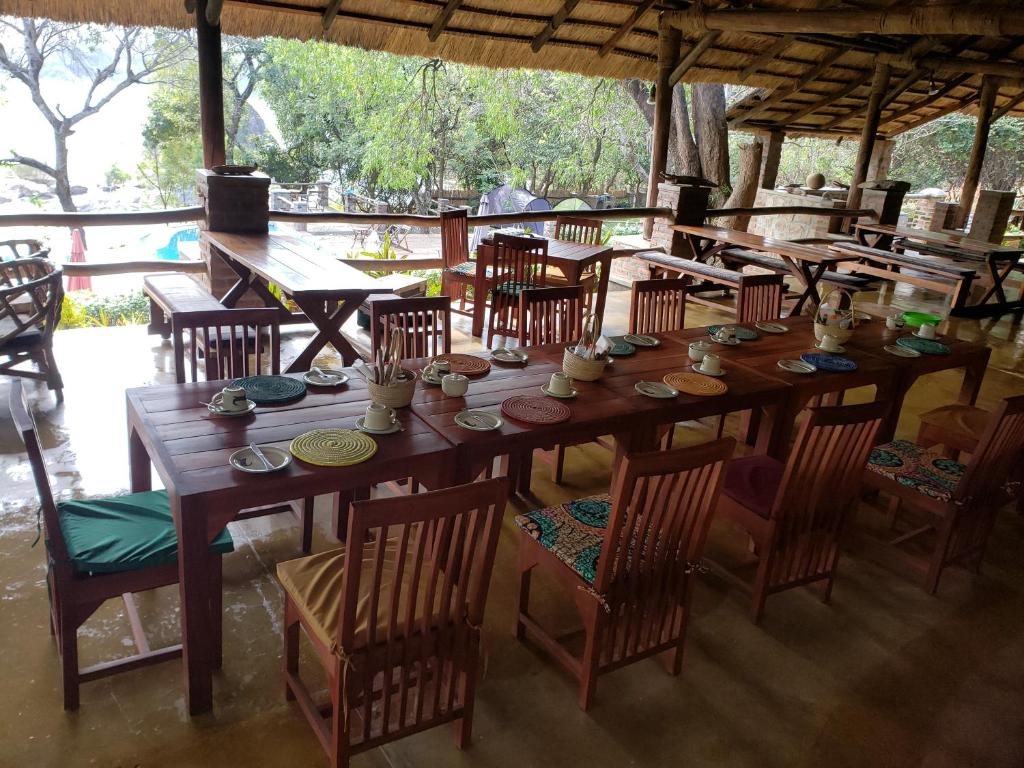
pixel 520 260
pixel 226 340
pixel 657 306
pixel 759 298
pixel 38 282
pixel 454 237
pixel 551 315
pixel 425 323
pixel 578 229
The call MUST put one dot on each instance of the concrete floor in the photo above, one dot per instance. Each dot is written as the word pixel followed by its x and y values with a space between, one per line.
pixel 884 676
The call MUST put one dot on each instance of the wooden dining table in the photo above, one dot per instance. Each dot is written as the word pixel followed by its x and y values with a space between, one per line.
pixel 572 259
pixel 327 291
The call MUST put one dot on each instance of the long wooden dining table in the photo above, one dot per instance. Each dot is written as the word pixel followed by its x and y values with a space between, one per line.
pixel 170 429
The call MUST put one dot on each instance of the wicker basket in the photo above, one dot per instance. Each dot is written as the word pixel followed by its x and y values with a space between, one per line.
pixel 835 328
pixel 395 396
pixel 575 367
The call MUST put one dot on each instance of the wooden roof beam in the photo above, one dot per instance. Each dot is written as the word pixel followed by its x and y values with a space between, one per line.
pixel 692 56
pixel 784 93
pixel 830 98
pixel 330 13
pixel 956 65
pixel 442 19
pixel 627 27
pixel 1008 107
pixel 554 23
pixel 762 59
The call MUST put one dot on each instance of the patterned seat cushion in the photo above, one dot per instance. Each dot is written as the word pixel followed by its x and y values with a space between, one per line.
pixel 467 269
pixel 918 468
pixel 573 531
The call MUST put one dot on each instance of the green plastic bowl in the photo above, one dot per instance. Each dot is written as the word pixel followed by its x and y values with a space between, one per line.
pixel 917 319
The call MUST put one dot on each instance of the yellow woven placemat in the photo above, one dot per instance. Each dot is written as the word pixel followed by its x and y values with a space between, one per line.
pixel 333 447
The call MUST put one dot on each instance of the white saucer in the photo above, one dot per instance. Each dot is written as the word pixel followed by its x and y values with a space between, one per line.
pixel 339 378
pixel 936 337
pixel 656 389
pixel 732 343
pixel 641 340
pixel 896 349
pixel 796 366
pixel 837 351
pixel 395 427
pixel 494 420
pixel 767 327
pixel 503 355
pixel 431 380
pixel 697 369
pixel 571 394
pixel 246 461
pixel 250 406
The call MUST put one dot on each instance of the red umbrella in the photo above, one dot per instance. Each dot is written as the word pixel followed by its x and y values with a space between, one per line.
pixel 83 283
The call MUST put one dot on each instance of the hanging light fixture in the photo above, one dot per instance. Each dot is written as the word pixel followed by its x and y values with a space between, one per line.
pixel 651 94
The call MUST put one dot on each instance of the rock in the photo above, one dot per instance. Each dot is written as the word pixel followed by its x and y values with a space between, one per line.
pixel 815 181
pixel 78 189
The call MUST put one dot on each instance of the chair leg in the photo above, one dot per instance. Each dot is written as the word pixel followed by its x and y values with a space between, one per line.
pixel 463 727
pixel 760 592
pixel 306 519
pixel 526 563
pixel 558 464
pixel 588 667
pixel 68 646
pixel 217 610
pixel 291 645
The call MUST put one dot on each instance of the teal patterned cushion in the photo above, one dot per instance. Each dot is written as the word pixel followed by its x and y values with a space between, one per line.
pixel 915 467
pixel 573 531
pixel 467 268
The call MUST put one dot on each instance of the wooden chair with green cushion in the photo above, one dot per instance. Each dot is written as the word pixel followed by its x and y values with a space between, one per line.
pixel 459 272
pixel 958 502
pixel 577 229
pixel 399 635
pixel 627 560
pixel 99 549
pixel 519 263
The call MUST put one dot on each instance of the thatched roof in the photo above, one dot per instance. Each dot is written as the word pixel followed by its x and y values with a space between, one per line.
pixel 804 82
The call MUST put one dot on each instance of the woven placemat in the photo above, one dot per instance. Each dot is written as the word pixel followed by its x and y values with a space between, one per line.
pixel 696 384
pixel 267 390
pixel 467 365
pixel 333 447
pixel 535 410
pixel 924 346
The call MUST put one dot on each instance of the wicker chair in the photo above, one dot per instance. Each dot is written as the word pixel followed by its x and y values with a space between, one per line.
pixel 22 249
pixel 31 294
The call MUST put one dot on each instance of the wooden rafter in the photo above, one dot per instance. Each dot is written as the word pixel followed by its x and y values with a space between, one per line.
pixel 1008 107
pixel 955 106
pixel 554 23
pixel 784 93
pixel 692 56
pixel 764 58
pixel 443 18
pixel 627 27
pixel 828 99
pixel 329 13
pixel 213 9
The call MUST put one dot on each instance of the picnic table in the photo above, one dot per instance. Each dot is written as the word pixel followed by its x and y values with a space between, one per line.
pixel 807 263
pixel 327 291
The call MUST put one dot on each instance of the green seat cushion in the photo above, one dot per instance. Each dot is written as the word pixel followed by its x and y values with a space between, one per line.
pixel 513 288
pixel 124 533
pixel 573 531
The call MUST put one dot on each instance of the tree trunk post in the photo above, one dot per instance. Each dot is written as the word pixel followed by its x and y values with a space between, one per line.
pixel 986 105
pixel 744 192
pixel 879 84
pixel 211 89
pixel 772 157
pixel 668 52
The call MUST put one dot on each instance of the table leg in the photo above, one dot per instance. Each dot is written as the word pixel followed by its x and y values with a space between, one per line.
pixel 809 279
pixel 193 586
pixel 480 290
pixel 140 472
pixel 974 373
pixel 997 280
pixel 328 326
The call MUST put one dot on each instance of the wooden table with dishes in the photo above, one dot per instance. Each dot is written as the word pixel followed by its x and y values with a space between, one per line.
pixel 572 259
pixel 327 291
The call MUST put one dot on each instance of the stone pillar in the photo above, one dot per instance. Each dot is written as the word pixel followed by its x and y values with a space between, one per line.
pixel 991 215
pixel 886 197
pixel 690 204
pixel 943 216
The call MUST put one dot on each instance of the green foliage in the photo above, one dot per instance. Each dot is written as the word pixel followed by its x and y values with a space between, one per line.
pixel 83 309
pixel 171 138
pixel 386 252
pixel 115 177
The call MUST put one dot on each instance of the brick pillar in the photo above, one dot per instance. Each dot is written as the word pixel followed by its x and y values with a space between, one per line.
pixel 943 216
pixel 886 197
pixel 991 215
pixel 690 205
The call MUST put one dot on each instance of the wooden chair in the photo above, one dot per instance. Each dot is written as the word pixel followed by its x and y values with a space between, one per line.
pixel 398 636
pixel 100 549
pixel 758 298
pixel 795 513
pixel 426 324
pixel 958 501
pixel 577 230
pixel 22 249
pixel 627 561
pixel 550 315
pixel 230 343
pixel 31 296
pixel 519 263
pixel 657 306
pixel 458 272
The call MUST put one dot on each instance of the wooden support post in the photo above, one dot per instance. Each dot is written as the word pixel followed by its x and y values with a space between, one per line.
pixel 771 158
pixel 881 159
pixel 668 53
pixel 986 105
pixel 211 89
pixel 879 84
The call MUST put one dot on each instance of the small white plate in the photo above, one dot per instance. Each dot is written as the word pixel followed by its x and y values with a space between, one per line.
pixel 640 340
pixel 697 369
pixel 246 461
pixel 656 389
pixel 478 421
pixel 732 343
pixel 250 406
pixel 796 366
pixel 569 396
pixel 835 351
pixel 361 426
pixel 431 380
pixel 895 349
pixel 503 355
pixel 761 325
pixel 936 337
pixel 335 378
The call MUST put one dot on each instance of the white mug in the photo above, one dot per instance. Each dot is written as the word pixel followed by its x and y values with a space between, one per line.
pixel 830 343
pixel 726 333
pixel 698 349
pixel 894 321
pixel 560 384
pixel 926 331
pixel 711 363
pixel 378 416
pixel 231 399
pixel 455 385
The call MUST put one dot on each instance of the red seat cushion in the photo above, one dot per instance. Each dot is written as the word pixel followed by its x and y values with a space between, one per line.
pixel 753 482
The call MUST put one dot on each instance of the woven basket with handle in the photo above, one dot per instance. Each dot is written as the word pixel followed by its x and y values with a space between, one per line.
pixel 397 395
pixel 834 319
pixel 576 367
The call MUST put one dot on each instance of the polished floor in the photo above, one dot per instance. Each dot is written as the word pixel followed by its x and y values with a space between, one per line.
pixel 884 676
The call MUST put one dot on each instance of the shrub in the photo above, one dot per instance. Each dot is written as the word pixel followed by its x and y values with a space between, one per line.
pixel 84 309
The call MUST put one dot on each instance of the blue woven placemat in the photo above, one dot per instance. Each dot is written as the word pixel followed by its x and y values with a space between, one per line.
pixel 924 346
pixel 267 390
pixel 826 362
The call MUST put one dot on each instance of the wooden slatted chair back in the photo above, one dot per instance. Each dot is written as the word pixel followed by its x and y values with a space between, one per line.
pixel 578 229
pixel 413 661
pixel 521 261
pixel 551 315
pixel 425 322
pixel 662 504
pixel 657 306
pixel 454 237
pixel 31 295
pixel 759 298
pixel 230 342
pixel 819 488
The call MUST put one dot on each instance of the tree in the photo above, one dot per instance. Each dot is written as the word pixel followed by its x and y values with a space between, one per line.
pixel 109 63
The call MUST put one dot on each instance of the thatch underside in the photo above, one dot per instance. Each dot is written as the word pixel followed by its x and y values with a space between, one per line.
pixel 808 83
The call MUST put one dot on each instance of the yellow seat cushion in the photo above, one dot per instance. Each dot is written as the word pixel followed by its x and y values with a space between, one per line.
pixel 314 585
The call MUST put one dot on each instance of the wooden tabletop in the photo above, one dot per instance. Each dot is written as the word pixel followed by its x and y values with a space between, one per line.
pixel 798 251
pixel 295 267
pixel 948 239
pixel 564 250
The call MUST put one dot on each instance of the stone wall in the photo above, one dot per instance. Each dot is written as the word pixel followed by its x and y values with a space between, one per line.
pixel 919 209
pixel 790 226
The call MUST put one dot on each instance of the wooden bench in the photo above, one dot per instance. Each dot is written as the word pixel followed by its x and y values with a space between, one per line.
pixel 778 266
pixel 942 277
pixel 172 292
pixel 393 286
pixel 758 297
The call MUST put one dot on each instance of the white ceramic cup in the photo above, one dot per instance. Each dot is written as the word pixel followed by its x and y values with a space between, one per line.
pixel 698 349
pixel 830 343
pixel 926 331
pixel 378 416
pixel 711 363
pixel 726 333
pixel 455 385
pixel 231 399
pixel 894 321
pixel 560 384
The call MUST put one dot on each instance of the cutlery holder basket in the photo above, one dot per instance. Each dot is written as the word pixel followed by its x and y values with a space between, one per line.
pixel 397 395
pixel 575 367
